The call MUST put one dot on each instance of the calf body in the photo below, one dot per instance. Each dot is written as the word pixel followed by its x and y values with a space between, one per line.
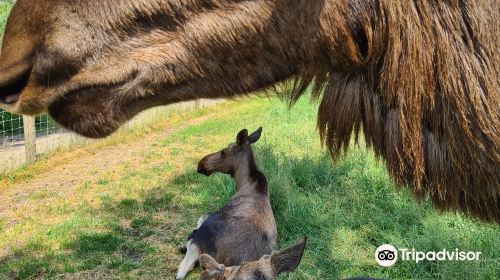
pixel 244 229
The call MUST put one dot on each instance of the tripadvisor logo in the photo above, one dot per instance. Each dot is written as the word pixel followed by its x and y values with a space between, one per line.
pixel 387 255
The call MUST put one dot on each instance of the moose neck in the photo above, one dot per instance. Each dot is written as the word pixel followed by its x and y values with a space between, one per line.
pixel 248 177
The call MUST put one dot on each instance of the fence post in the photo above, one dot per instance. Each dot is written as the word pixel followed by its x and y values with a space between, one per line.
pixel 197 104
pixel 29 138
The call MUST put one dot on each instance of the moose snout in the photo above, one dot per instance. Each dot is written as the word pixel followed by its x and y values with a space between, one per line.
pixel 202 170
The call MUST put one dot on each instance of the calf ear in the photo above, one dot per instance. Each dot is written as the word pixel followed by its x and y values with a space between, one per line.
pixel 242 138
pixel 288 259
pixel 254 137
pixel 212 269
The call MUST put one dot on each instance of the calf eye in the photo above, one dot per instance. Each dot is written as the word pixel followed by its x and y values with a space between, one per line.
pixel 223 154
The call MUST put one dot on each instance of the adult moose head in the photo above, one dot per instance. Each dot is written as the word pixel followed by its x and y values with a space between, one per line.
pixel 419 78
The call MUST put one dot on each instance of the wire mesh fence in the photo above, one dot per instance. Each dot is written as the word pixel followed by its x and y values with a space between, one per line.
pixel 46 126
pixel 11 136
pixel 23 139
pixel 46 134
pixel 11 127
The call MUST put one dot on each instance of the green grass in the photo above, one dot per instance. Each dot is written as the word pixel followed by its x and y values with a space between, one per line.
pixel 129 222
pixel 5 7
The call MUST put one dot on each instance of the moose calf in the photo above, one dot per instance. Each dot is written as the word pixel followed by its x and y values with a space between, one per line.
pixel 267 268
pixel 244 229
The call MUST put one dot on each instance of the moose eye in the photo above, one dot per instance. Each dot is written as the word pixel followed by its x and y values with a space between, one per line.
pixel 223 154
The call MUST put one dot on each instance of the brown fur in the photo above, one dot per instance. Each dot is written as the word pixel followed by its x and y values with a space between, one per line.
pixel 419 78
pixel 267 268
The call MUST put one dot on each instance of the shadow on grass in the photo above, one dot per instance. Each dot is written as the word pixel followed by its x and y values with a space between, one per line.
pixel 121 243
pixel 347 210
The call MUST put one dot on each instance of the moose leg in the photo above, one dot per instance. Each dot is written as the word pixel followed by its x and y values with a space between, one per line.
pixel 187 264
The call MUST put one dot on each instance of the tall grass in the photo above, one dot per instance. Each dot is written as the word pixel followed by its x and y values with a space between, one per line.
pixel 5 7
pixel 347 209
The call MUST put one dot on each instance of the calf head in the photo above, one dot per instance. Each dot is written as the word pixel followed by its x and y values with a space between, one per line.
pixel 229 159
pixel 267 268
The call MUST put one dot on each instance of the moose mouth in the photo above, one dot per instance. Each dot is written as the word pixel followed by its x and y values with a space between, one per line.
pixel 87 111
pixel 91 110
pixel 98 111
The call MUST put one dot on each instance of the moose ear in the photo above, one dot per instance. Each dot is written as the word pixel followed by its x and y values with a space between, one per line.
pixel 242 137
pixel 254 137
pixel 288 259
pixel 213 270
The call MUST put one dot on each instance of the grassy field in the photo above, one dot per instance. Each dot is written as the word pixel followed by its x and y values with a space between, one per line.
pixel 128 222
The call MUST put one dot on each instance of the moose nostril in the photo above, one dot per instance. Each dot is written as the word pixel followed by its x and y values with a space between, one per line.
pixel 11 92
pixel 10 99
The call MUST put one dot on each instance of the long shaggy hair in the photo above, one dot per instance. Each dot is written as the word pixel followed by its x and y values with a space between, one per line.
pixel 420 78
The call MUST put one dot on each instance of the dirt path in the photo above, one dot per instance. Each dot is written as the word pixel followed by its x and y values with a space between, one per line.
pixel 63 179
